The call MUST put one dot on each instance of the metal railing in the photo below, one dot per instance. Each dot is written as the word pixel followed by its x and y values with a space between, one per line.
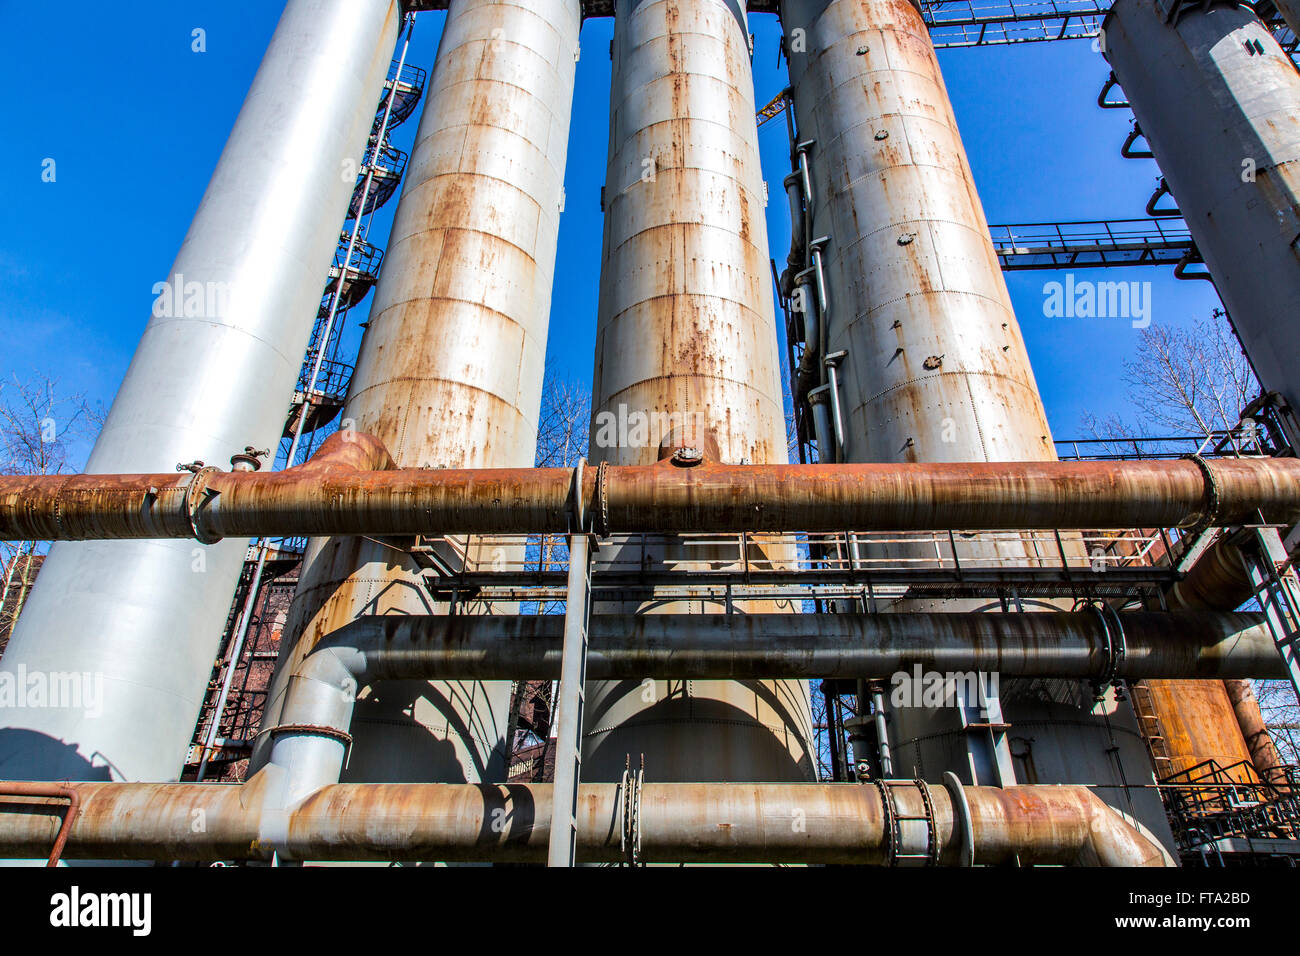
pixel 1210 806
pixel 1218 444
pixel 866 567
pixel 408 82
pixel 970 23
pixel 1090 244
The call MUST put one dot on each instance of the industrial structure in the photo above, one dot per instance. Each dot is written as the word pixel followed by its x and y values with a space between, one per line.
pixel 437 652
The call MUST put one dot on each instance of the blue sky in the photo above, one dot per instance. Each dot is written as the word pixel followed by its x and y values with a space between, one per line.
pixel 136 121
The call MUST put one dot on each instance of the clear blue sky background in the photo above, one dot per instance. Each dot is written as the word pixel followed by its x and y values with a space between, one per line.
pixel 136 122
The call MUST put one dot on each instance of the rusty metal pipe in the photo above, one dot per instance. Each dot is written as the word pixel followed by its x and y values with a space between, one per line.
pixel 338 493
pixel 1180 644
pixel 52 791
pixel 310 739
pixel 681 823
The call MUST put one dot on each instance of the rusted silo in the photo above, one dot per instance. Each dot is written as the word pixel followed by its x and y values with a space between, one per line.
pixel 450 369
pixel 686 347
pixel 928 360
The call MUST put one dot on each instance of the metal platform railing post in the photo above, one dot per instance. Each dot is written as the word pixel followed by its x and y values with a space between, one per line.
pixel 570 699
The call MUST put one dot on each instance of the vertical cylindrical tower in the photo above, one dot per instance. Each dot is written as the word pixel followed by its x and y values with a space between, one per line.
pixel 450 370
pixel 138 622
pixel 686 355
pixel 1219 102
pixel 929 360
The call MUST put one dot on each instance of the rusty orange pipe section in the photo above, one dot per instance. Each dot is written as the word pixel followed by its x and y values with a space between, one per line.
pixel 52 791
pixel 342 491
pixel 677 822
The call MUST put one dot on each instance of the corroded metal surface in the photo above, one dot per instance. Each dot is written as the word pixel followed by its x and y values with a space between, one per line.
pixel 1250 721
pixel 936 368
pixel 1198 724
pixel 1217 581
pixel 214 372
pixel 686 347
pixel 677 823
pixel 342 498
pixel 933 366
pixel 1202 720
pixel 450 368
pixel 1219 102
pixel 12 788
pixel 686 322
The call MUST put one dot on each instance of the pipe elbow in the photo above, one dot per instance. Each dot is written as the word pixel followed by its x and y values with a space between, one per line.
pixel 1114 841
pixel 322 689
pixel 356 451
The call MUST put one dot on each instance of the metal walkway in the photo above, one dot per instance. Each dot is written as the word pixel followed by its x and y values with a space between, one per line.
pixel 1092 245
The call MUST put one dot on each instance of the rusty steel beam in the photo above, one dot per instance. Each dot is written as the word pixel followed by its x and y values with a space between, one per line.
pixel 1179 644
pixel 678 823
pixel 337 492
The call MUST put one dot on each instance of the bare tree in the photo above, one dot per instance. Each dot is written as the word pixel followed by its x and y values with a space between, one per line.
pixel 1184 382
pixel 563 423
pixel 1194 382
pixel 42 432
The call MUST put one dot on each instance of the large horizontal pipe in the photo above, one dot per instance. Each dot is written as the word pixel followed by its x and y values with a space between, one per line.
pixel 678 823
pixel 345 489
pixel 316 714
pixel 1178 644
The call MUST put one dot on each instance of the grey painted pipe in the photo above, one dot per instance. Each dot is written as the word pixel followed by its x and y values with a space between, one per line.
pixel 1176 644
pixel 311 738
pixel 679 823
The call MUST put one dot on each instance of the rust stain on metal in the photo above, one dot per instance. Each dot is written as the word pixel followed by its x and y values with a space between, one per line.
pixel 336 493
pixel 12 788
